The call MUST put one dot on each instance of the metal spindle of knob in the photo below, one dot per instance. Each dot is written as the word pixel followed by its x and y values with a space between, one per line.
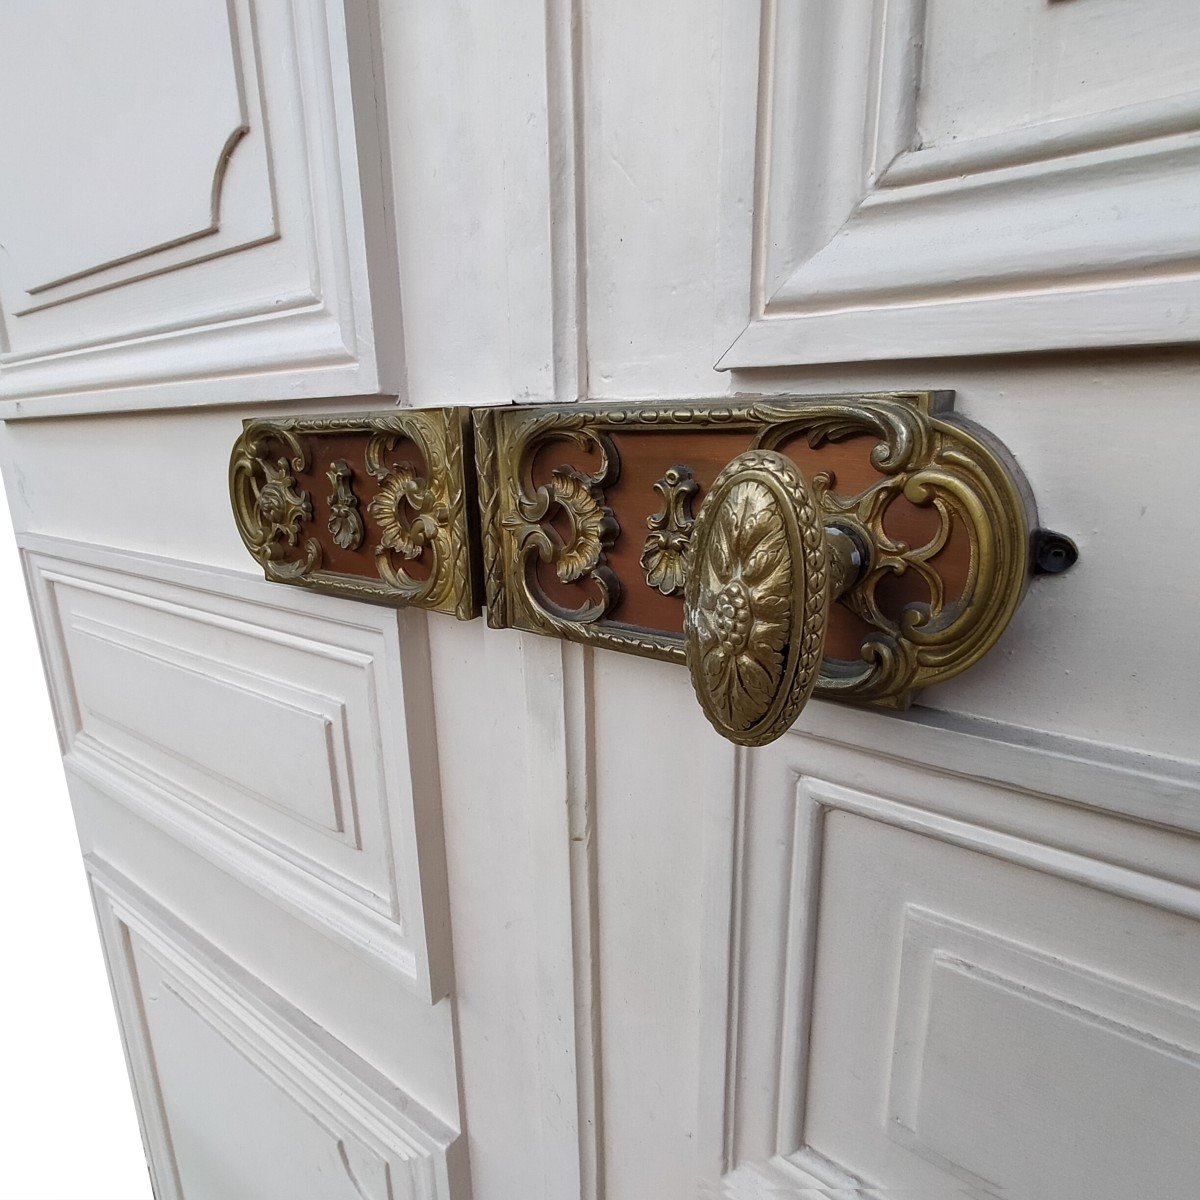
pixel 764 566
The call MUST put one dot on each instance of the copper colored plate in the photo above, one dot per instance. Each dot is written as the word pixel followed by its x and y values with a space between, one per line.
pixel 645 454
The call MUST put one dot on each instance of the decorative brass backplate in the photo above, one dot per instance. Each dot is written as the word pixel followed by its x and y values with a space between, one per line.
pixel 587 524
pixel 378 506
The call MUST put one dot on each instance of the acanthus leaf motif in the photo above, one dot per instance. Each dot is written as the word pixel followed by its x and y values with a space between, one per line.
pixel 664 554
pixel 533 515
pixel 345 523
pixel 406 512
pixel 593 525
pixel 282 507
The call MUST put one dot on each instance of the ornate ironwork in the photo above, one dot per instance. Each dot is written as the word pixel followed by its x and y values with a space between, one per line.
pixel 399 527
pixel 271 511
pixel 525 511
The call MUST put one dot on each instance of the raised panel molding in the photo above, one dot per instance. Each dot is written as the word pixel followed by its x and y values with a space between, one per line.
pixel 801 1175
pixel 147 182
pixel 272 758
pixel 241 189
pixel 1155 788
pixel 1056 1022
pixel 765 878
pixel 301 768
pixel 213 1052
pixel 846 238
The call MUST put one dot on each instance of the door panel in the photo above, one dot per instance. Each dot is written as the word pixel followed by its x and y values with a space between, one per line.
pixel 103 137
pixel 937 984
pixel 240 1095
pixel 1030 63
pixel 1057 1029
pixel 255 734
pixel 903 210
pixel 199 192
pixel 1006 1026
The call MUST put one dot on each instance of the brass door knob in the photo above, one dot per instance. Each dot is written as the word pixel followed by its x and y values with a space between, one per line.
pixel 763 568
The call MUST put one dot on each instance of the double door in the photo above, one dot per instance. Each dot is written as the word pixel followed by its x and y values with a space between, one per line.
pixel 400 905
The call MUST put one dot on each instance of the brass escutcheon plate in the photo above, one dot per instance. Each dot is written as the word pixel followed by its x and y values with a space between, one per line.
pixel 377 506
pixel 587 522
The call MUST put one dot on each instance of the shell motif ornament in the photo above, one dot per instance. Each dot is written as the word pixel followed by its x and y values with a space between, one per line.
pixel 406 512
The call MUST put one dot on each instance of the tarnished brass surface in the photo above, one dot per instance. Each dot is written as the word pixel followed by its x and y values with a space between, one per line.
pixel 549 474
pixel 853 547
pixel 399 516
pixel 670 531
pixel 757 598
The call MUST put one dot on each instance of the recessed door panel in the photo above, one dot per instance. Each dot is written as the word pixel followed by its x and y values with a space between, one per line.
pixel 198 188
pixel 239 1094
pixel 255 734
pixel 933 179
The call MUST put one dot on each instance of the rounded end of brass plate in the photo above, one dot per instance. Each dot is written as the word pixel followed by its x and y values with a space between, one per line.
pixel 756 600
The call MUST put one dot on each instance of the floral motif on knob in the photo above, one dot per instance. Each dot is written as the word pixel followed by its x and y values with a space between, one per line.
pixel 744 601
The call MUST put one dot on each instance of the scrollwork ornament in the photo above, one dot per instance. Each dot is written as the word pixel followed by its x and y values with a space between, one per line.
pixel 592 528
pixel 406 512
pixel 409 513
pixel 269 507
pixel 345 523
pixel 423 510
pixel 282 507
pixel 921 454
pixel 939 636
pixel 664 552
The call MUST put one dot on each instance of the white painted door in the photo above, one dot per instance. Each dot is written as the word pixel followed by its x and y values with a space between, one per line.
pixel 197 220
pixel 400 906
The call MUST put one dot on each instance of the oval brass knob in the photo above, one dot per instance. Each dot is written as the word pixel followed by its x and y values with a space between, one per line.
pixel 763 568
